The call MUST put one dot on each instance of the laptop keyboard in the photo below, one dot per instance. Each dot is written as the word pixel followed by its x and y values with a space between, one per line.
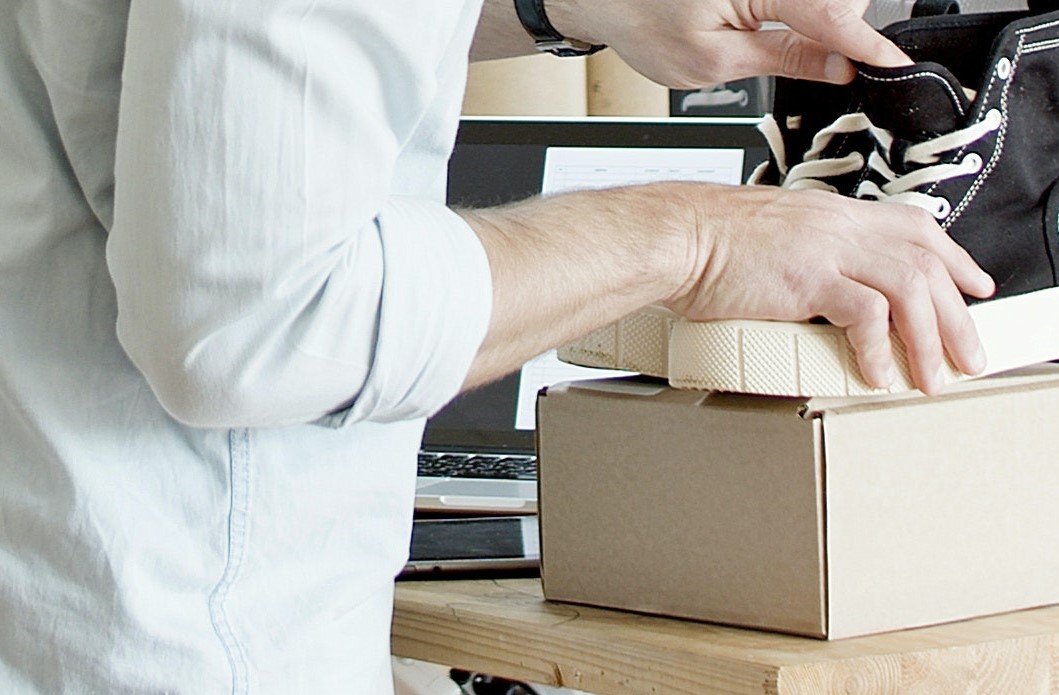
pixel 477 466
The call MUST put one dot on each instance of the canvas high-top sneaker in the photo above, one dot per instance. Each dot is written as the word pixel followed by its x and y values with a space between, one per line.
pixel 971 134
pixel 816 138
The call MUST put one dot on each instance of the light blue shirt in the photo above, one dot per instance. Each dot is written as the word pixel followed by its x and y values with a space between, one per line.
pixel 229 294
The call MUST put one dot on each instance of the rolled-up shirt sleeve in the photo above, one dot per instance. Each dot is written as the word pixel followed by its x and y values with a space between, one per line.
pixel 267 270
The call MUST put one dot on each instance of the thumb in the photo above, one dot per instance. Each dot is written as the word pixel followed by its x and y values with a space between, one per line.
pixel 786 53
pixel 836 24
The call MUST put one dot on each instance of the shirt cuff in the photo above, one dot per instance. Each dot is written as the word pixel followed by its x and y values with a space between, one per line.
pixel 434 312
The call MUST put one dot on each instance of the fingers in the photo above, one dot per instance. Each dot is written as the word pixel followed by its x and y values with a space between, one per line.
pixel 959 336
pixel 837 25
pixel 786 53
pixel 865 266
pixel 928 311
pixel 912 310
pixel 924 232
pixel 865 314
pixel 902 256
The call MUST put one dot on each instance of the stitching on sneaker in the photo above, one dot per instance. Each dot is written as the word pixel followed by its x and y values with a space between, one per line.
pixel 1038 27
pixel 1019 50
pixel 983 101
pixel 998 149
pixel 948 87
pixel 1041 45
pixel 857 106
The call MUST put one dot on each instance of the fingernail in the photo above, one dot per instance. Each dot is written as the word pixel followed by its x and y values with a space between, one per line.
pixel 979 360
pixel 837 68
pixel 989 285
pixel 986 286
pixel 939 378
pixel 891 375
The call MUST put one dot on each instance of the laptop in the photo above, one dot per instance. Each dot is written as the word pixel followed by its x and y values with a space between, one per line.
pixel 478 452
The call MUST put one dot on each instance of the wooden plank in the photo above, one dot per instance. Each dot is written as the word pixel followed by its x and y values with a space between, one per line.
pixel 506 628
pixel 1022 666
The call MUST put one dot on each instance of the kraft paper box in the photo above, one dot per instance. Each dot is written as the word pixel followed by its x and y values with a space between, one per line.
pixel 828 518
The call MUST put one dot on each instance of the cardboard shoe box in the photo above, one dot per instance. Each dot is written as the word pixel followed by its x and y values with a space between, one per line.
pixel 829 518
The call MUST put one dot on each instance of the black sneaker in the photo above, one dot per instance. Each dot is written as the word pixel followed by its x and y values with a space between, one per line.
pixel 817 139
pixel 984 161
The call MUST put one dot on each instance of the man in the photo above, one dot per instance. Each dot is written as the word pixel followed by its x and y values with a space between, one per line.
pixel 230 293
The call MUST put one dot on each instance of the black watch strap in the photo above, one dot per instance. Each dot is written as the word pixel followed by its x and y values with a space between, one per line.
pixel 545 36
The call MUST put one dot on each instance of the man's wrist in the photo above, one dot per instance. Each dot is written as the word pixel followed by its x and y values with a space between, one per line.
pixel 567 18
pixel 650 231
pixel 678 216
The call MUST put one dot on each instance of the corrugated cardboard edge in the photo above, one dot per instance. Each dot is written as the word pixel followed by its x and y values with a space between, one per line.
pixel 541 395
pixel 1036 376
pixel 820 452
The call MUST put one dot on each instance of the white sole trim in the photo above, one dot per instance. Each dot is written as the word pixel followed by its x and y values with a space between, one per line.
pixel 801 359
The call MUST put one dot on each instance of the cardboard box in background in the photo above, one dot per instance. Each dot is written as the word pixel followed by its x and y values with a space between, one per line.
pixel 535 85
pixel 827 518
pixel 615 89
pixel 545 85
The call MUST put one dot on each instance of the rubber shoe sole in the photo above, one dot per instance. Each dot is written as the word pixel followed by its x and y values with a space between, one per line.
pixel 640 341
pixel 801 359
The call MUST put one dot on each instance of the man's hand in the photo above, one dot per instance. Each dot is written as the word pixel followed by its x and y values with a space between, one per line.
pixel 793 256
pixel 687 44
pixel 568 264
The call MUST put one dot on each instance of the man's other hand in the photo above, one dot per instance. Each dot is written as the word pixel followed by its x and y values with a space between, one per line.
pixel 768 253
pixel 688 44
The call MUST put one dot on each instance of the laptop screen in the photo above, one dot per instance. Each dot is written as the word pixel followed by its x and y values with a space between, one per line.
pixel 504 160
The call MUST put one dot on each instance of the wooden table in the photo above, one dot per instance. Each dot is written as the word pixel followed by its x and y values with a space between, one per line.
pixel 506 628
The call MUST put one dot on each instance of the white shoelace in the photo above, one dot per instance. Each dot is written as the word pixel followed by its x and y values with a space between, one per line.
pixel 897 189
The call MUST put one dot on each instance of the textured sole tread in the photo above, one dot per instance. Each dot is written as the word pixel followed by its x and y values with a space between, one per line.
pixel 801 359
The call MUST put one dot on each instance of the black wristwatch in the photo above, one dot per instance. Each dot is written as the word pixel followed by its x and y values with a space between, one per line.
pixel 547 39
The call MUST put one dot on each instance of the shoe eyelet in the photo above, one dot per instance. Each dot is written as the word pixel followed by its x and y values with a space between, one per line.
pixel 972 162
pixel 942 210
pixel 994 118
pixel 1003 68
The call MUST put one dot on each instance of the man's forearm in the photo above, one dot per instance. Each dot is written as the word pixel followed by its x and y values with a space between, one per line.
pixel 565 265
